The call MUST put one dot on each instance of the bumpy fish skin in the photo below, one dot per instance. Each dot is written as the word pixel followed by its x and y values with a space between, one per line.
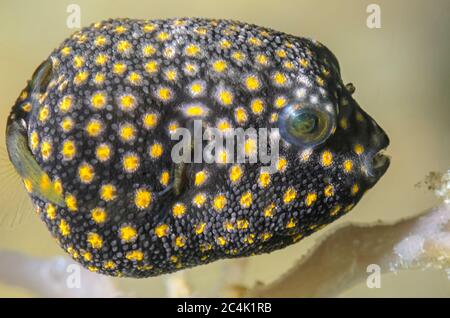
pixel 101 128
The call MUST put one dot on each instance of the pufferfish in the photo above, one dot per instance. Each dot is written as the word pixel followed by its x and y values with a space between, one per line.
pixel 91 137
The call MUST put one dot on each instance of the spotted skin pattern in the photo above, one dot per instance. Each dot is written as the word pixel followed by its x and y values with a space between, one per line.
pixel 101 130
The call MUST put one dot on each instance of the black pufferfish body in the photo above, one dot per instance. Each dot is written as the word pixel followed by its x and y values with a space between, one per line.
pixel 91 137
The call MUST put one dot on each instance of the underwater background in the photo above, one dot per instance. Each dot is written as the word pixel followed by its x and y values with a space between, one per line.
pixel 402 78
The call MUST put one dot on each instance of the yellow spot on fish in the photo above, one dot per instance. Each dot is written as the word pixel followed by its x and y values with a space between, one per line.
pixel 326 158
pixel 120 29
pixel 65 51
pixel 240 115
pixel 108 192
pixel 225 44
pixel 34 140
pixel 200 178
pixel 103 152
pixel 279 79
pixel 200 228
pixel 66 103
pixel 289 195
pixel 223 125
pixel 252 83
pixel 199 200
pixel 164 178
pixel 134 78
pixel 150 120
pixel 86 173
pixel 281 53
pixel 99 78
pixel 81 77
pixel 130 162
pixel 355 189
pixel 148 27
pixel 46 149
pixel 127 132
pixel 238 56
pixel 64 228
pixel 235 173
pixel 101 59
pixel 348 165
pixel 57 186
pixel 246 199
pixel 123 47
pixel 98 100
pixel 71 202
pixel 171 74
pixel 87 256
pixel 257 106
pixel 119 68
pixel 109 265
pixel 225 97
pixel 148 50
pixel 162 230
pixel 303 63
pixel 156 150
pixel 219 66
pixel 328 191
pixel 151 67
pixel 281 164
pixel 254 41
pixel 192 50
pixel 310 198
pixel 242 224
pixel 335 210
pixel 280 102
pixel 68 150
pixel 44 114
pixel 221 241
pixel 358 149
pixel 292 223
pixel 163 36
pixel 98 215
pixel 78 61
pixel 219 202
pixel 127 233
pixel 180 241
pixel 164 93
pixel 262 59
pixel 228 226
pixel 100 40
pixel 127 102
pixel 67 124
pixel 195 110
pixel 95 240
pixel 135 255
pixel 142 198
pixel 178 210
pixel 264 179
pixel 94 128
pixel 51 211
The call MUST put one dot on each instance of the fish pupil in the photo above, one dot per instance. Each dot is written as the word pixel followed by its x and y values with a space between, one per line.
pixel 303 123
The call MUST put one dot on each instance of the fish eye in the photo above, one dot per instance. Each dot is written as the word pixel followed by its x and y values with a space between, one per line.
pixel 305 126
pixel 41 77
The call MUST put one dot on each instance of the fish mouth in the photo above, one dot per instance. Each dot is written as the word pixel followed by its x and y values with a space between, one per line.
pixel 378 162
